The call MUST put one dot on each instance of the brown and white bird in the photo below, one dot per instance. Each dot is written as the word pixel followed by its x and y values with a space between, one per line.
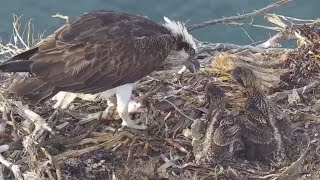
pixel 102 51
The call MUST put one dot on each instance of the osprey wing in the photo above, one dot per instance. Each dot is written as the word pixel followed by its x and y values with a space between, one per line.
pixel 95 53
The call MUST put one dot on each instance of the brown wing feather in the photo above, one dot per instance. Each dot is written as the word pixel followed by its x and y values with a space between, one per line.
pixel 97 52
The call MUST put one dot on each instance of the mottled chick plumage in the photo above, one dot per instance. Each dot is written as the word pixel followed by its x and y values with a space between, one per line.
pixel 216 138
pixel 264 127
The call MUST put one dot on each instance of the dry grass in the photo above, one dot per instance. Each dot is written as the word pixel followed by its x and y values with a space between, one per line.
pixel 23 37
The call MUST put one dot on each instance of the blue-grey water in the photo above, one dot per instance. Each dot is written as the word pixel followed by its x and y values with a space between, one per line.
pixel 194 11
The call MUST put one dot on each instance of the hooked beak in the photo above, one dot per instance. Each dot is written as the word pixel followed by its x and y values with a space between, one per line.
pixel 192 64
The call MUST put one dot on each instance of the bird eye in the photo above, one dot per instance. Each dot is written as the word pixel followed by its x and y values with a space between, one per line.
pixel 192 52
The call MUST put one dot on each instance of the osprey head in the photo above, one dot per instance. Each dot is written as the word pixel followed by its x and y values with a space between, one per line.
pixel 185 41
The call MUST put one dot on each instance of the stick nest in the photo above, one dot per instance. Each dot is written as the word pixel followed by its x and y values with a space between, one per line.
pixel 39 142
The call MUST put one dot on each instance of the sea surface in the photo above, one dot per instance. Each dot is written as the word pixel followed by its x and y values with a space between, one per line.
pixel 196 11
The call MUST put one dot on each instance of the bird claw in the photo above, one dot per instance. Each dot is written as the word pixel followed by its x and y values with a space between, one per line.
pixel 106 115
pixel 109 111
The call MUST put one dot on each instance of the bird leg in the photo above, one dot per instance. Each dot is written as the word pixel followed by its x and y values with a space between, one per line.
pixel 123 97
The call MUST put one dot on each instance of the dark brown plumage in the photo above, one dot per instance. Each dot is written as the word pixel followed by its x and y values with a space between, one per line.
pixel 93 53
pixel 102 51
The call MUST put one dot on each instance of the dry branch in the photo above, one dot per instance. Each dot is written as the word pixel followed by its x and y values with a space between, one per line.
pixel 273 41
pixel 13 167
pixel 238 18
pixel 179 110
pixel 278 96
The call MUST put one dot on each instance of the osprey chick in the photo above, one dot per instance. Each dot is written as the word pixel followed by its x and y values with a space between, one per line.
pixel 102 51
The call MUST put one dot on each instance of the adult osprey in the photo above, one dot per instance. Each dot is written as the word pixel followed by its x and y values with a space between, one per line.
pixel 102 51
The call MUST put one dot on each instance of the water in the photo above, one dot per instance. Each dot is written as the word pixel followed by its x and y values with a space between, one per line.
pixel 195 11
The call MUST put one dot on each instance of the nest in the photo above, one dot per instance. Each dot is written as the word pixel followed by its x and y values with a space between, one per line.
pixel 304 62
pixel 39 142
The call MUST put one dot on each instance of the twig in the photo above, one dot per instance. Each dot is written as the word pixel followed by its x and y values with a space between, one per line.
pixel 129 156
pixel 268 27
pixel 179 110
pixel 237 18
pixel 116 140
pixel 55 165
pixel 294 166
pixel 17 35
pixel 303 21
pixel 1 172
pixel 13 167
pixel 17 145
pixel 290 170
pixel 151 92
pixel 175 85
pixel 278 96
pixel 209 47
pixel 253 42
pixel 51 123
pixel 272 42
pixel 64 141
pixel 4 120
pixel 58 15
pixel 176 145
